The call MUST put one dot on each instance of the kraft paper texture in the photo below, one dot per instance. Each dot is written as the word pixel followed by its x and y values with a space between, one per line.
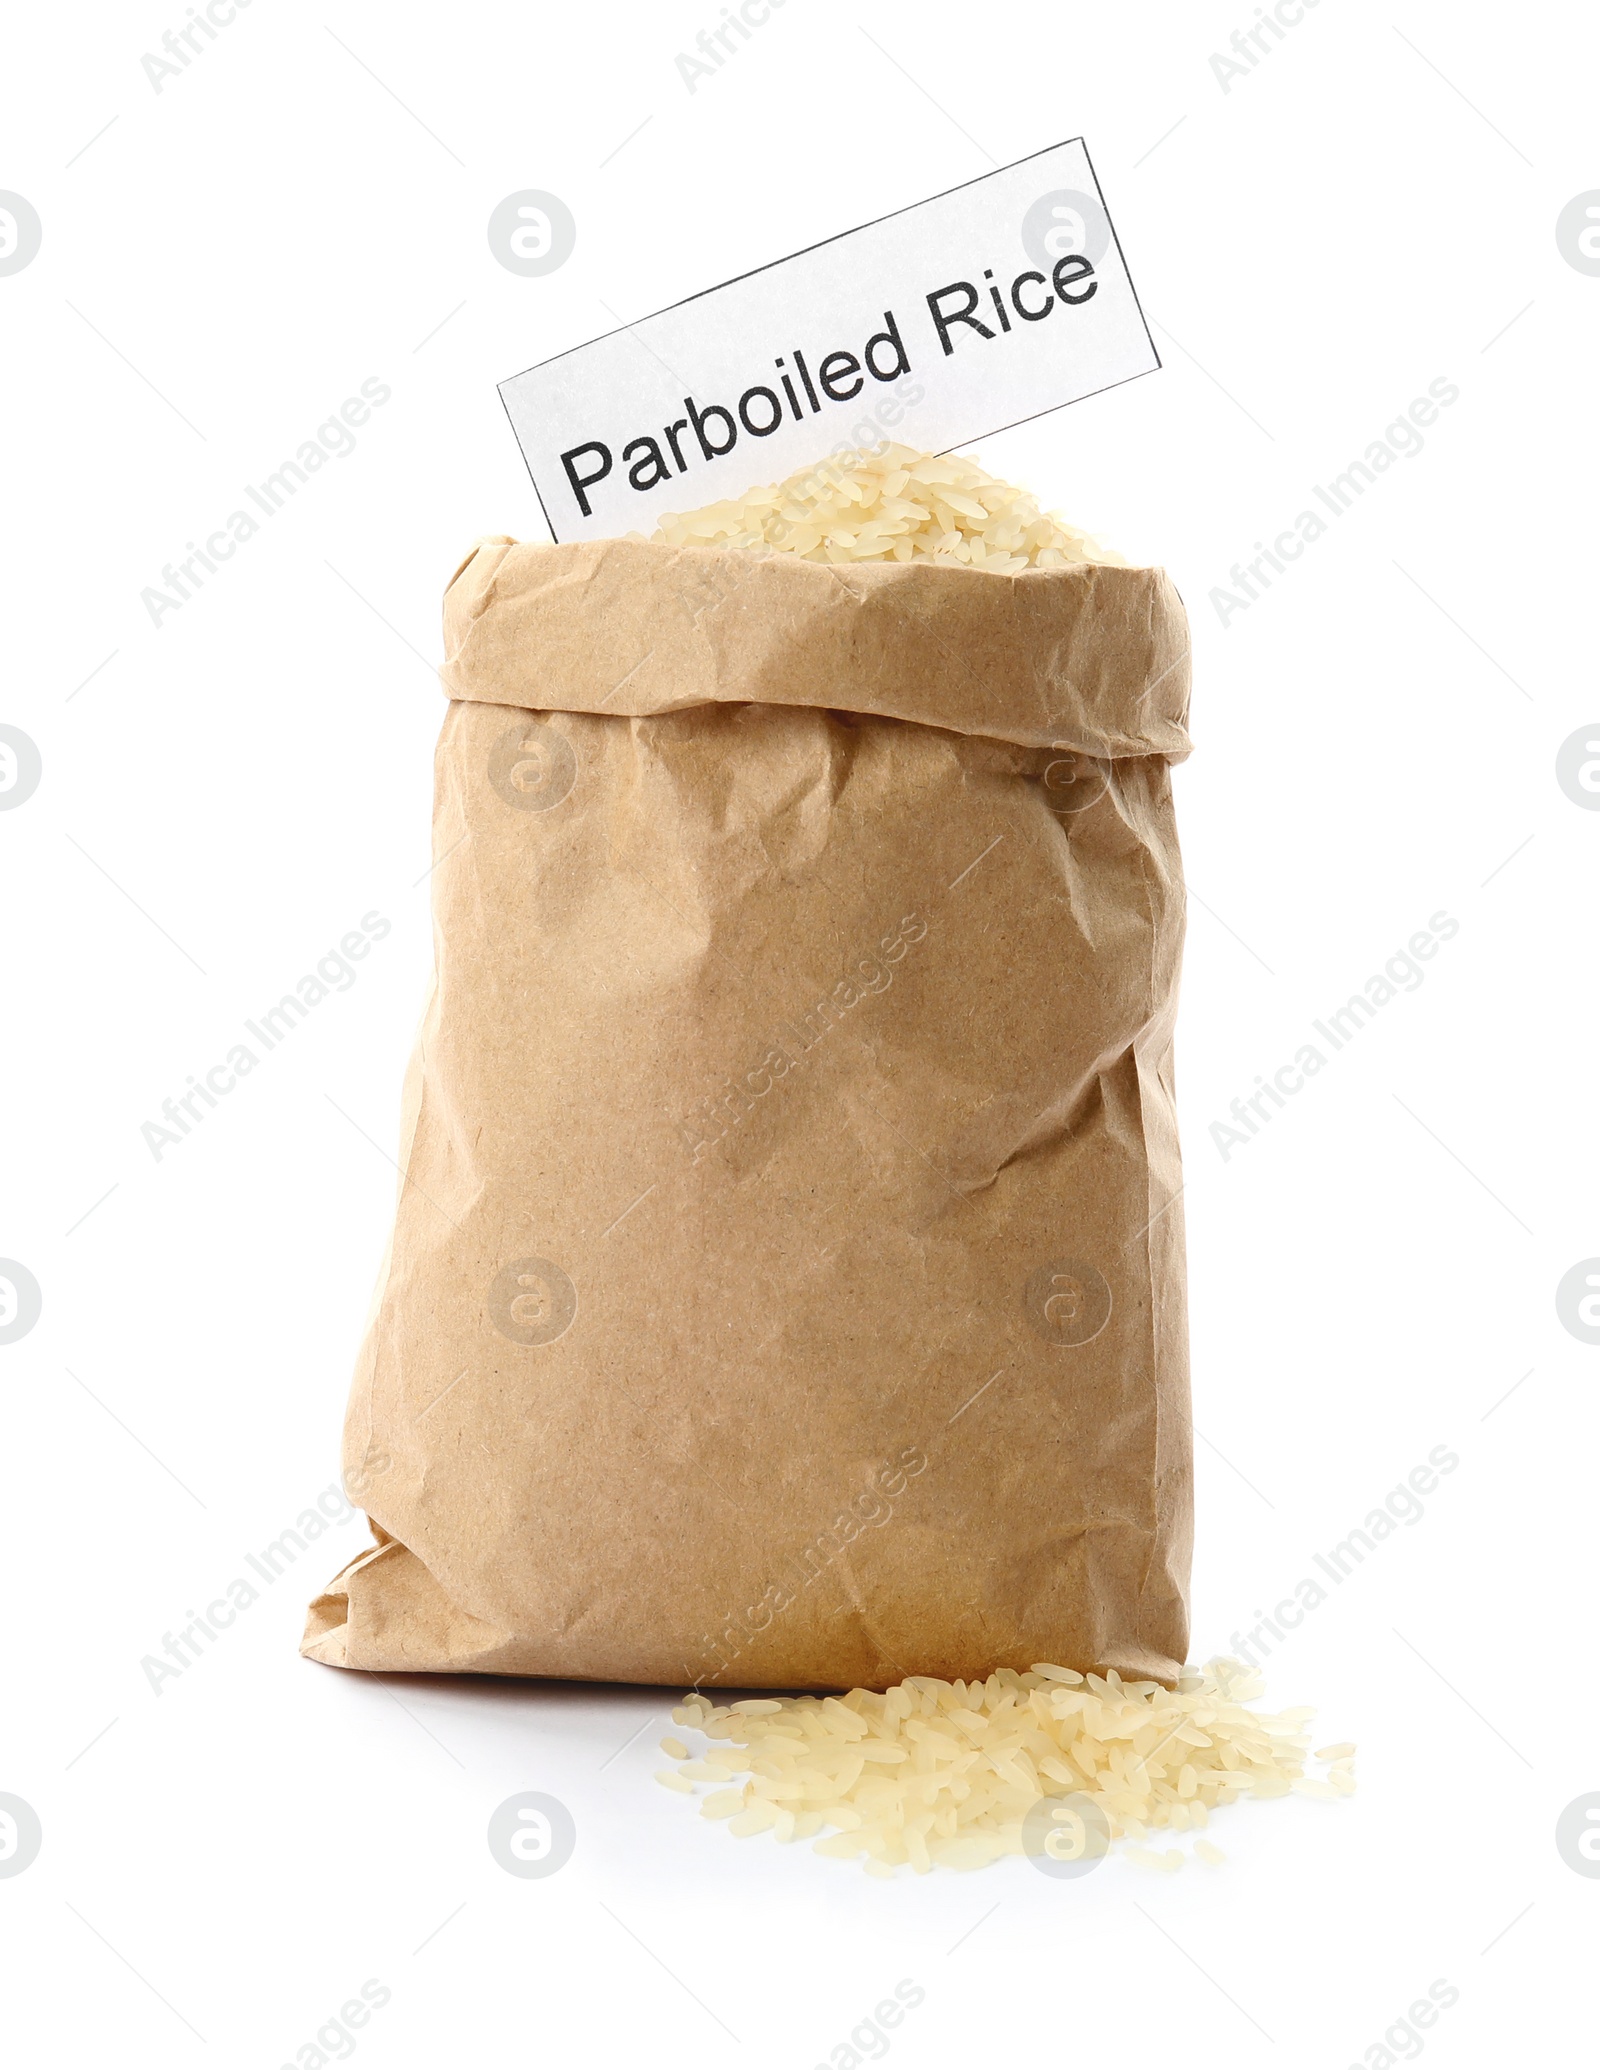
pixel 787 1283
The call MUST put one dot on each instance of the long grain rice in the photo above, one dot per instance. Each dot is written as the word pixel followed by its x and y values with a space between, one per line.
pixel 941 1774
pixel 893 504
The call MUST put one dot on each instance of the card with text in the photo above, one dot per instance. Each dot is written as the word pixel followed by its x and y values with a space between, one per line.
pixel 940 324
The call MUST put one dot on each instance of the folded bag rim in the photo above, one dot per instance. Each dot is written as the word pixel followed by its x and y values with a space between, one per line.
pixel 1087 658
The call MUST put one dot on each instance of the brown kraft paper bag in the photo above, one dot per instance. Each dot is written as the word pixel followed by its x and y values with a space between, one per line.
pixel 787 1287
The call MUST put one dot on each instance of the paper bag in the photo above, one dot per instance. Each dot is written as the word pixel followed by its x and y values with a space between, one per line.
pixel 787 1286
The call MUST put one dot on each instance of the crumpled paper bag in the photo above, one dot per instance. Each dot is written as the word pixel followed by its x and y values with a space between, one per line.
pixel 787 1283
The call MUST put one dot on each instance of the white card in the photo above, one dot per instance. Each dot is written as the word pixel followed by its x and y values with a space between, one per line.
pixel 943 323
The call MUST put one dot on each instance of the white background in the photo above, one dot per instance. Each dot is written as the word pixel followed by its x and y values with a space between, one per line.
pixel 1371 207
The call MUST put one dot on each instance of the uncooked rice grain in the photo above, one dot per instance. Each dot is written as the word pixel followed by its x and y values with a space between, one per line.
pixel 936 1773
pixel 893 504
